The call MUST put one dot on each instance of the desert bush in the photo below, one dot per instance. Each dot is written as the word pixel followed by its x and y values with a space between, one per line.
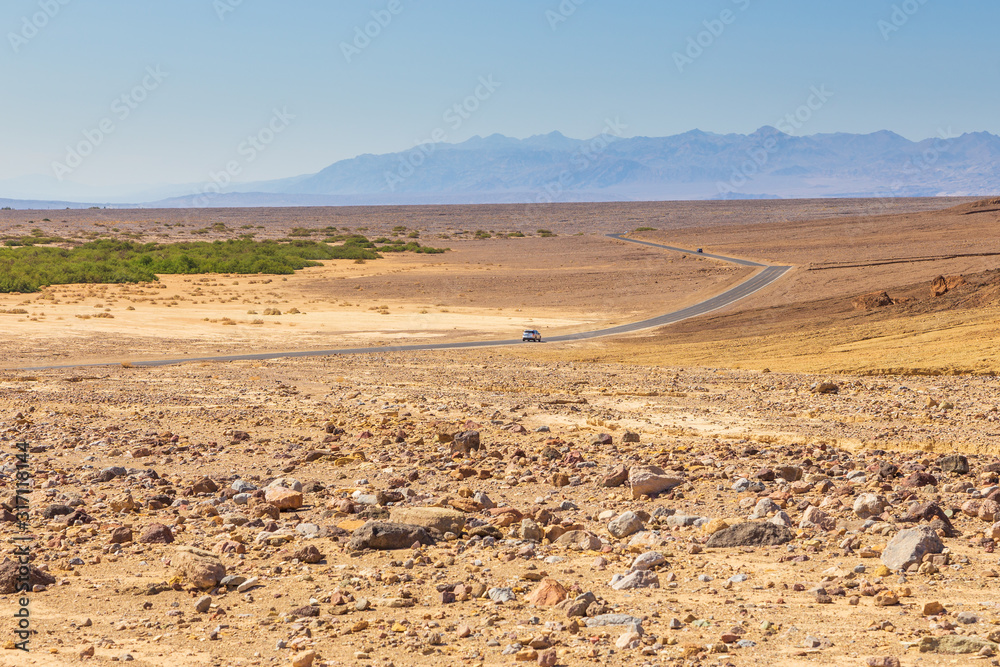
pixel 26 269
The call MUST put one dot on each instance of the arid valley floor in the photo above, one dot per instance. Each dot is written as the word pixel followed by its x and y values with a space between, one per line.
pixel 808 477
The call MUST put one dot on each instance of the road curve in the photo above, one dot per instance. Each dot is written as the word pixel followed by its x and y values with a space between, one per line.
pixel 751 285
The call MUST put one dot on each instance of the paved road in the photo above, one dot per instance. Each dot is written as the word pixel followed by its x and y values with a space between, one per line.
pixel 755 283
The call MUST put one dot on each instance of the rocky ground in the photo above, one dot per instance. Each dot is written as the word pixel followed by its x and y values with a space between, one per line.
pixel 480 508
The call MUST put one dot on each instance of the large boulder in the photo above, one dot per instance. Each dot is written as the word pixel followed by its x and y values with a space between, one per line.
pixel 550 592
pixel 580 540
pixel 441 519
pixel 463 443
pixel 871 301
pixel 198 567
pixel 11 578
pixel 624 525
pixel 954 645
pixel 156 533
pixel 616 477
pixel 814 517
pixel 648 561
pixel 636 579
pixel 204 485
pixel 955 463
pixel 384 535
pixel 939 286
pixel 908 547
pixel 283 498
pixel 750 534
pixel 867 505
pixel 650 480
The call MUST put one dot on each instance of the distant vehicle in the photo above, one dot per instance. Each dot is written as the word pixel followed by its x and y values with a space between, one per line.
pixel 699 251
pixel 531 336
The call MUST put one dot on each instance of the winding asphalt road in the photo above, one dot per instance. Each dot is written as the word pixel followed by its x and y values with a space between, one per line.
pixel 753 284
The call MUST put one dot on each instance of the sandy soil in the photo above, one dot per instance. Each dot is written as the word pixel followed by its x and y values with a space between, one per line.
pixel 479 290
pixel 323 445
pixel 808 322
pixel 700 425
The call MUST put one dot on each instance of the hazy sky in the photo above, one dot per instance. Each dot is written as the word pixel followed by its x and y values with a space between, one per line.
pixel 183 84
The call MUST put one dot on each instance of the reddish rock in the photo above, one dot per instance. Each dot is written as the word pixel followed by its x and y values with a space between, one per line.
pixel 120 535
pixel 282 498
pixel 156 533
pixel 918 479
pixel 616 477
pixel 204 485
pixel 308 554
pixel 11 577
pixel 549 593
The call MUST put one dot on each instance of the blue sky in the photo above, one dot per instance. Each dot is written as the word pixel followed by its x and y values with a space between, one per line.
pixel 226 67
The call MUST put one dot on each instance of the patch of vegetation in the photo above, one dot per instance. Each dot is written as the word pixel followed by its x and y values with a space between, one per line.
pixel 27 269
pixel 519 235
pixel 545 233
pixel 412 246
pixel 483 234
pixel 37 238
pixel 645 229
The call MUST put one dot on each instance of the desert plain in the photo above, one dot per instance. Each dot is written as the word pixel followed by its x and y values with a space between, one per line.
pixel 808 476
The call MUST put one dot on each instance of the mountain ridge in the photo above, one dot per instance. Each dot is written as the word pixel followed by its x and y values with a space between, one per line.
pixel 695 164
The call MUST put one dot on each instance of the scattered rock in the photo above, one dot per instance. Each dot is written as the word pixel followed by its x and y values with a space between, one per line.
pixel 308 554
pixel 871 301
pixel 384 535
pixel 283 498
pixel 624 525
pixel 202 569
pixel 549 593
pixel 908 547
pixel 954 644
pixel 867 505
pixel 11 577
pixel 751 534
pixel 441 519
pixel 580 540
pixel 955 463
pixel 617 477
pixel 636 579
pixel 651 480
pixel 156 533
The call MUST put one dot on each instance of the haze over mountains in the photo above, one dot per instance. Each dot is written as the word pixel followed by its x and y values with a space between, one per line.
pixel 554 168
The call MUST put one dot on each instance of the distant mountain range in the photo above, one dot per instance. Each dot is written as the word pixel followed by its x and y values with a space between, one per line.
pixel 694 165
